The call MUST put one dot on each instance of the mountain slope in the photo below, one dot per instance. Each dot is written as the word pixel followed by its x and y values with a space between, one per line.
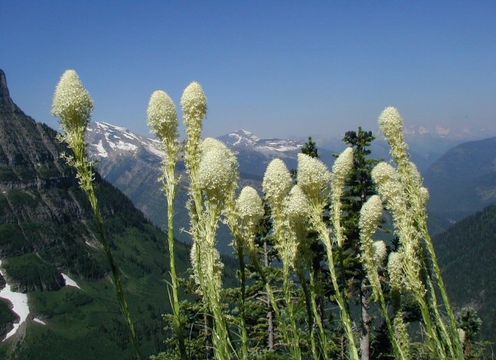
pixel 463 180
pixel 48 242
pixel 466 254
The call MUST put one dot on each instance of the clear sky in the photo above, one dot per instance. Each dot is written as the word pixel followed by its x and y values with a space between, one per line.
pixel 277 68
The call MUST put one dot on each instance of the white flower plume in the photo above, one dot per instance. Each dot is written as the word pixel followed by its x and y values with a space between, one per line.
pixel 391 124
pixel 342 167
pixel 72 103
pixel 162 116
pixel 249 205
pixel 194 104
pixel 370 216
pixel 276 182
pixel 380 252
pixel 297 205
pixel 218 170
pixel 313 176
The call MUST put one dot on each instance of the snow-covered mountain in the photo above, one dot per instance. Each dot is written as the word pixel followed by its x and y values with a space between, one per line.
pixel 132 163
pixel 245 140
pixel 110 140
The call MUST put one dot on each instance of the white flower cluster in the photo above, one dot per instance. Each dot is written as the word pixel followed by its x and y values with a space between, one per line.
pixel 162 116
pixel 313 176
pixel 276 182
pixel 342 167
pixel 391 124
pixel 72 103
pixel 249 206
pixel 389 187
pixel 297 205
pixel 194 104
pixel 395 270
pixel 218 170
pixel 380 252
pixel 370 216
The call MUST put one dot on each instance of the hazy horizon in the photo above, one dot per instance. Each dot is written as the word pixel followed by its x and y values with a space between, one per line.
pixel 275 69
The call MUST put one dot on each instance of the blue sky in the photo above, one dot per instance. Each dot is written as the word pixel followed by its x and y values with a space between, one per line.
pixel 277 68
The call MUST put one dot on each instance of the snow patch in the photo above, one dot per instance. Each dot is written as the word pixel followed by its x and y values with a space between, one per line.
pixel 19 302
pixel 69 281
pixel 152 149
pixel 39 321
pixel 90 244
pixel 101 150
pixel 126 146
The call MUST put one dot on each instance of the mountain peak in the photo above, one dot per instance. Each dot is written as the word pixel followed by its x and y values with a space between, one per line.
pixel 6 103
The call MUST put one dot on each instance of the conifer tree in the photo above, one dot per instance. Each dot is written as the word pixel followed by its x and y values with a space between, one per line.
pixel 358 189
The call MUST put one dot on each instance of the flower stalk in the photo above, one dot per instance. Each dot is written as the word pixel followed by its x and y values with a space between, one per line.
pixel 73 105
pixel 162 119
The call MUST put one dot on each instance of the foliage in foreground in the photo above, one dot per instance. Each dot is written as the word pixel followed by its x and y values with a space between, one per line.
pixel 295 294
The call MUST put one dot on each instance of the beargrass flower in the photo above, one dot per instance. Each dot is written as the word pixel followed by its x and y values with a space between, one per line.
pixel 249 206
pixel 194 104
pixel 342 167
pixel 218 170
pixel 72 103
pixel 380 252
pixel 297 206
pixel 313 176
pixel 391 124
pixel 389 188
pixel 276 182
pixel 395 270
pixel 370 216
pixel 162 116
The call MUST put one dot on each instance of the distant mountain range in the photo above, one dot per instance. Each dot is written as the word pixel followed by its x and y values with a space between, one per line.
pixel 463 180
pixel 133 164
pixel 466 252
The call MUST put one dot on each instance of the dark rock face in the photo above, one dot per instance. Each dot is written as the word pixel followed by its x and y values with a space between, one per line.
pixel 6 103
pixel 47 228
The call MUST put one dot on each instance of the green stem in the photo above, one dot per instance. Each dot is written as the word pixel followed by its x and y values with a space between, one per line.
pixel 85 173
pixel 324 344
pixel 244 333
pixel 444 294
pixel 399 353
pixel 114 269
pixel 345 316
pixel 176 307
pixel 295 342
pixel 308 306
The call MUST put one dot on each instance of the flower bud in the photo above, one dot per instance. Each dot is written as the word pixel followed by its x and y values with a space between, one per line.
pixel 194 104
pixel 370 216
pixel 313 176
pixel 395 270
pixel 391 124
pixel 162 116
pixel 342 167
pixel 276 182
pixel 72 103
pixel 297 205
pixel 380 252
pixel 249 206
pixel 218 170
